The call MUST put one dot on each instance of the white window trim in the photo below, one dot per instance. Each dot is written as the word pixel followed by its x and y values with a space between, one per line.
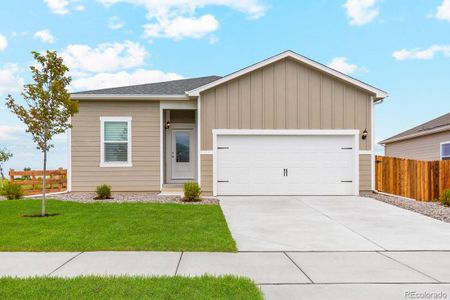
pixel 104 164
pixel 440 149
pixel 294 132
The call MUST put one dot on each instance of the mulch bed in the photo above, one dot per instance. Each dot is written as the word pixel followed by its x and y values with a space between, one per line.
pixel 432 209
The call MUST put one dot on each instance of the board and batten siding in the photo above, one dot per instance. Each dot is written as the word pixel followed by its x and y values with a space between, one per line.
pixel 285 95
pixel 145 137
pixel 421 148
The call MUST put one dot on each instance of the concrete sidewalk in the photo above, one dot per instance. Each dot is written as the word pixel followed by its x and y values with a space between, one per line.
pixel 281 275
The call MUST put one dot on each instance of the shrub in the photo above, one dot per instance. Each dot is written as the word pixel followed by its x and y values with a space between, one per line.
pixel 103 192
pixel 445 198
pixel 192 191
pixel 12 191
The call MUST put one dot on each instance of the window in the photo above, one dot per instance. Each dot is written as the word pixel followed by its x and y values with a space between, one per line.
pixel 115 142
pixel 445 150
pixel 182 139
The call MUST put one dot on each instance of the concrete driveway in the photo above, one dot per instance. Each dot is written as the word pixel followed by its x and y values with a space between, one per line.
pixel 324 223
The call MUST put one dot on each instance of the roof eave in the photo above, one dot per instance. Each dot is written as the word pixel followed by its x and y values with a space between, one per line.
pixel 127 97
pixel 415 135
pixel 379 94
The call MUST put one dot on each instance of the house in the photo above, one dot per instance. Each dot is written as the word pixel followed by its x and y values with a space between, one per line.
pixel 428 141
pixel 287 125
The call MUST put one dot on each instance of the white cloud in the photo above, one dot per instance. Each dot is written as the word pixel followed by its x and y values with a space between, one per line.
pixel 45 36
pixel 10 81
pixel 106 80
pixel 418 53
pixel 443 11
pixel 177 19
pixel 115 23
pixel 340 64
pixel 63 7
pixel 361 12
pixel 3 42
pixel 181 27
pixel 105 57
pixel 8 133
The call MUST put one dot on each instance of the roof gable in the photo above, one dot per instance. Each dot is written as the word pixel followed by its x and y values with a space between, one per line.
pixel 379 94
pixel 439 124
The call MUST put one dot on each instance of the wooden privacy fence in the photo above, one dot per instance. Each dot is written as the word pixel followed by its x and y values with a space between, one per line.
pixel 31 181
pixel 417 179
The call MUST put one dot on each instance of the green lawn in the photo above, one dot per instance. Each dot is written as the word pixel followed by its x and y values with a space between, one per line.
pixel 205 287
pixel 113 226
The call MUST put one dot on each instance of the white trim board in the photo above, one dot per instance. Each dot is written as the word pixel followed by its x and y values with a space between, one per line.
pixel 379 94
pixel 187 105
pixel 290 132
pixel 69 157
pixel 440 148
pixel 104 164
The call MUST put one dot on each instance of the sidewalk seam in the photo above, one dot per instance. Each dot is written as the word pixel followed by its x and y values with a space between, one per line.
pixel 72 258
pixel 178 264
pixel 408 266
pixel 298 267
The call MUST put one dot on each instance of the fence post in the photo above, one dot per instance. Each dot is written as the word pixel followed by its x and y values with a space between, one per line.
pixel 60 179
pixel 11 175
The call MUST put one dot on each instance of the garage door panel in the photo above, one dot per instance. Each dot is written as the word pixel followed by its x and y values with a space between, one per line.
pixel 255 164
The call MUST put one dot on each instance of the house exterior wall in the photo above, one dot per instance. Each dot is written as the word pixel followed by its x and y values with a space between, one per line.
pixel 286 95
pixel 144 175
pixel 421 148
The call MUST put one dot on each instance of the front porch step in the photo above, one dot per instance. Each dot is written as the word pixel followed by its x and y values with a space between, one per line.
pixel 172 190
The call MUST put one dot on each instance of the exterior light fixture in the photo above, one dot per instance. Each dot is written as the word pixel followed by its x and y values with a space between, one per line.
pixel 364 134
pixel 167 125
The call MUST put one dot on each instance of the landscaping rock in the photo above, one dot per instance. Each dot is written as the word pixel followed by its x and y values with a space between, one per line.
pixel 87 197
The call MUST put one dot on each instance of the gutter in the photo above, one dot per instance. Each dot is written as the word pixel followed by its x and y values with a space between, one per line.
pixel 127 97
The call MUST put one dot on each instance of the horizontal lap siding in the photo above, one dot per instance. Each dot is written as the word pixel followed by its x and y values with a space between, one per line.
pixel 145 135
pixel 286 95
pixel 421 148
pixel 207 172
pixel 365 171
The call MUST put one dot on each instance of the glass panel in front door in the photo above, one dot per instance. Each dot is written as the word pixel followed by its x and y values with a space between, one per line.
pixel 182 140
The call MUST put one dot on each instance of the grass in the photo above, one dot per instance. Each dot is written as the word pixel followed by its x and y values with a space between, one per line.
pixel 205 287
pixel 113 226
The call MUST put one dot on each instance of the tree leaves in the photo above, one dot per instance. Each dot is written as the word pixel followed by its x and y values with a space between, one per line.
pixel 48 104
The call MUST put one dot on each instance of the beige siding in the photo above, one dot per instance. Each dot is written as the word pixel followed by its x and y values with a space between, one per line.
pixel 144 174
pixel 365 171
pixel 285 95
pixel 207 172
pixel 422 148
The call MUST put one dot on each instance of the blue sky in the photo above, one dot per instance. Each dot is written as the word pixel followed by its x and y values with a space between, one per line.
pixel 394 45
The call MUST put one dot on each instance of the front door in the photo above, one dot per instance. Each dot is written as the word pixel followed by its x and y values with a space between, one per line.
pixel 182 154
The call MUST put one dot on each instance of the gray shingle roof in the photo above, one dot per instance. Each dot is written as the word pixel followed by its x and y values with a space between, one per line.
pixel 174 87
pixel 422 128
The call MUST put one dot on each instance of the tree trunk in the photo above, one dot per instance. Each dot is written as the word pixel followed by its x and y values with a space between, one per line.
pixel 44 184
pixel 3 178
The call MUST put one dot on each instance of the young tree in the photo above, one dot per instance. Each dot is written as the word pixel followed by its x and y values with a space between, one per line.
pixel 5 155
pixel 48 106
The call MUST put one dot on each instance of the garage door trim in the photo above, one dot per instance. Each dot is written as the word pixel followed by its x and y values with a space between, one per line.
pixel 291 132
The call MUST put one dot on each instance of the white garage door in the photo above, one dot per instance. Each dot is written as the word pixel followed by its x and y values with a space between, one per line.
pixel 286 165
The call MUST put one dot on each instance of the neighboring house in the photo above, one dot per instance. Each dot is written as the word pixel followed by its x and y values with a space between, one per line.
pixel 428 141
pixel 284 126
